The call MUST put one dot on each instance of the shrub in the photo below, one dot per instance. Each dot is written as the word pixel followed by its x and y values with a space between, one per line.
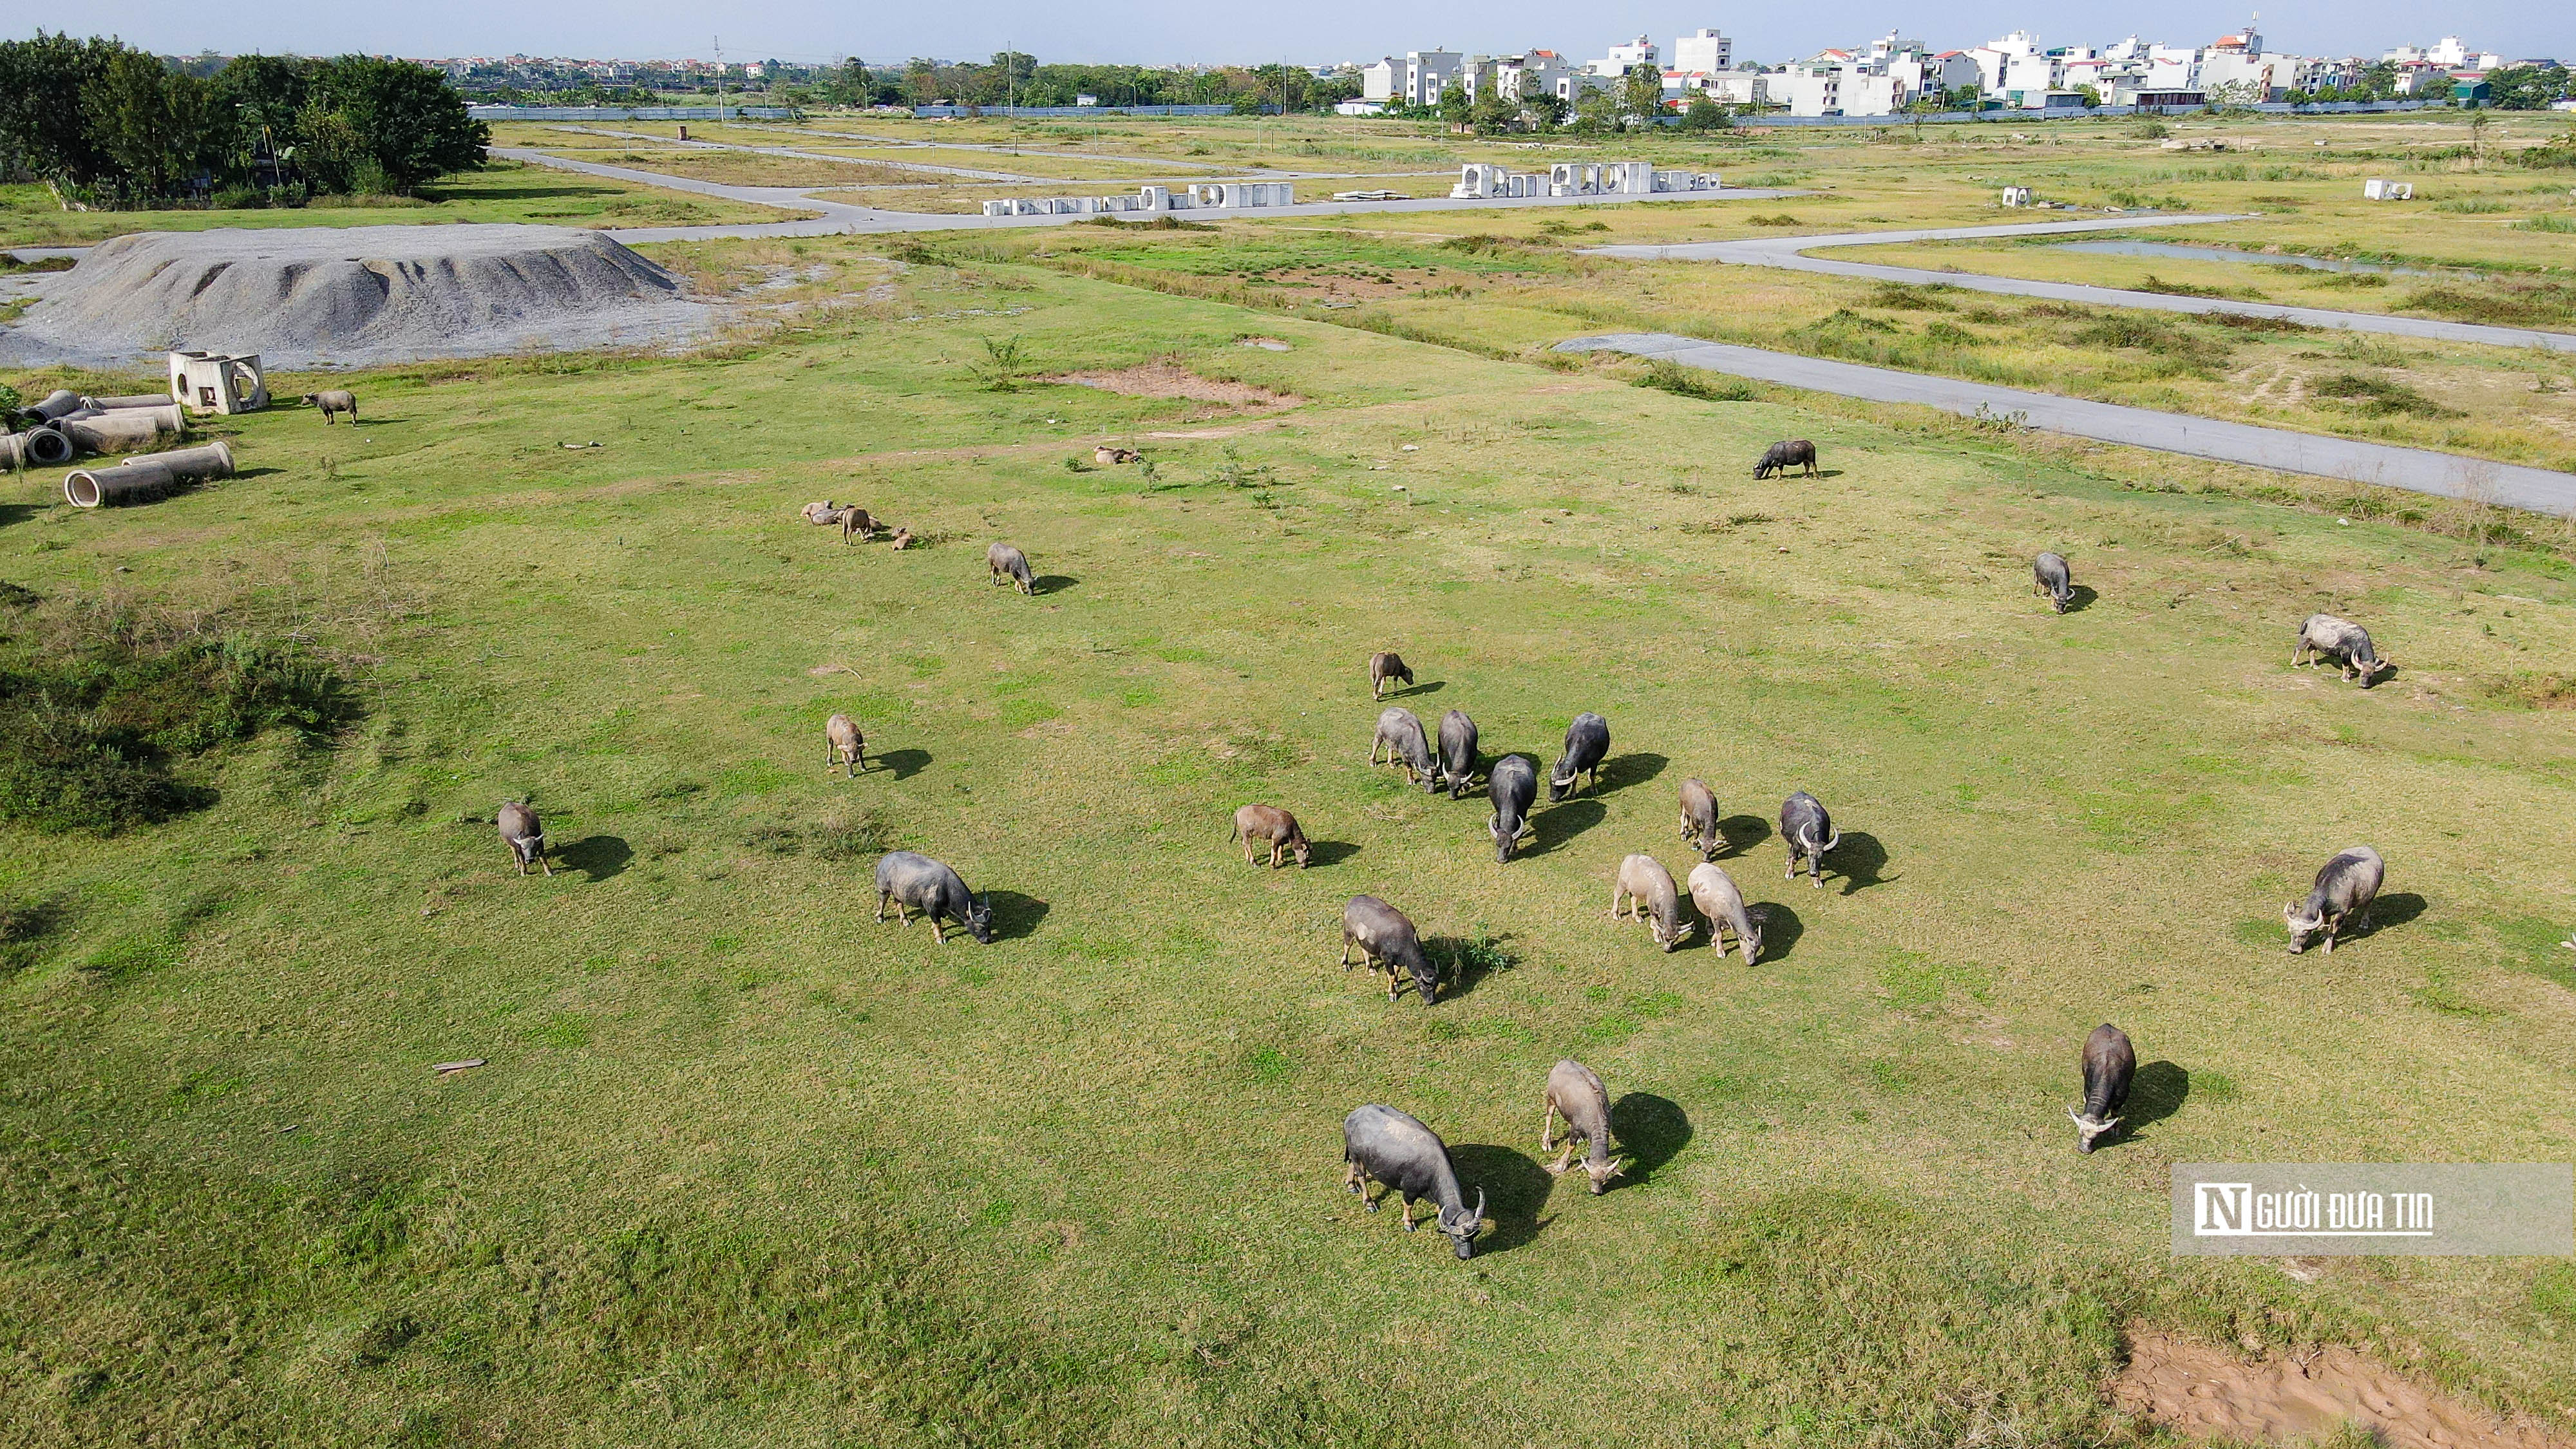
pixel 2378 397
pixel 1672 377
pixel 1946 335
pixel 2545 222
pixel 1778 219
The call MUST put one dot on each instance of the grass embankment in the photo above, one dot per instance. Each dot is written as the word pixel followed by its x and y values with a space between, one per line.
pixel 748 1167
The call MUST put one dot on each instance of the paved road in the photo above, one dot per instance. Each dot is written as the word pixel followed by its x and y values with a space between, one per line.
pixel 1790 252
pixel 2443 474
pixel 840 217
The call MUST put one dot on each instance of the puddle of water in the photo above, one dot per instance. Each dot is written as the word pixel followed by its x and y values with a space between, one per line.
pixel 2230 254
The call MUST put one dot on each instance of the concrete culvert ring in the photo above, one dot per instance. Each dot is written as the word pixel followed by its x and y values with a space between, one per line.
pixel 47 448
pixel 136 482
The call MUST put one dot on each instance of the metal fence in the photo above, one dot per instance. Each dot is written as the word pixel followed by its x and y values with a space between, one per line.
pixel 935 112
pixel 631 113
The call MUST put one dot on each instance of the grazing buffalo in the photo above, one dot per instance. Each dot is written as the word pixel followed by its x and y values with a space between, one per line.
pixel 2109 1063
pixel 1648 887
pixel 1383 1145
pixel 1513 786
pixel 334 401
pixel 1810 833
pixel 1384 668
pixel 1009 563
pixel 844 745
pixel 1587 743
pixel 1386 939
pixel 1780 457
pixel 1699 819
pixel 822 514
pixel 856 524
pixel 2050 575
pixel 524 834
pixel 1400 735
pixel 917 882
pixel 1273 826
pixel 1573 1090
pixel 1457 752
pixel 1714 892
pixel 2345 887
pixel 2325 636
pixel 1108 455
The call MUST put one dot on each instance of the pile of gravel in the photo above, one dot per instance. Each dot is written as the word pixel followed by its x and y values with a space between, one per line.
pixel 353 296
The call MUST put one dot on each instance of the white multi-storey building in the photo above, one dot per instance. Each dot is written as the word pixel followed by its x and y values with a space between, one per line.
pixel 1624 58
pixel 1703 52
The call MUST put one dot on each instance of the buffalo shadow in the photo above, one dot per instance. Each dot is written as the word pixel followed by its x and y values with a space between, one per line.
pixel 1328 852
pixel 1554 825
pixel 1651 1130
pixel 1407 691
pixel 597 856
pixel 1635 768
pixel 1742 832
pixel 1860 860
pixel 2080 598
pixel 904 763
pixel 1051 583
pixel 1464 963
pixel 2157 1091
pixel 1014 915
pixel 243 474
pixel 2391 910
pixel 1780 928
pixel 1516 1189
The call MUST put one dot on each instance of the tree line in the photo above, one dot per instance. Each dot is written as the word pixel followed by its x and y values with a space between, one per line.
pixel 113 126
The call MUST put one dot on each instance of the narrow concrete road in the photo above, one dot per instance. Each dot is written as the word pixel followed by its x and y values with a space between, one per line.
pixel 839 217
pixel 1790 252
pixel 2444 475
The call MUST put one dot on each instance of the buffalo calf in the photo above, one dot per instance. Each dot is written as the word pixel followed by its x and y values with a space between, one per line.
pixel 1010 565
pixel 2050 575
pixel 1400 735
pixel 524 834
pixel 1384 669
pixel 1272 826
pixel 1574 1091
pixel 844 745
pixel 1652 898
pixel 1713 891
pixel 1699 819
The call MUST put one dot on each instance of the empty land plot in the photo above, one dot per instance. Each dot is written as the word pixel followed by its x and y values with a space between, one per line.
pixel 749 168
pixel 730 1128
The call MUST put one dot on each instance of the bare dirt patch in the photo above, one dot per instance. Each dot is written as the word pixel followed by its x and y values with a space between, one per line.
pixel 1161 379
pixel 2211 1393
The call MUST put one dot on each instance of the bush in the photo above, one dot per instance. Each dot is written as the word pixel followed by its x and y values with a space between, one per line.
pixel 2378 397
pixel 1672 377
pixel 95 709
pixel 238 198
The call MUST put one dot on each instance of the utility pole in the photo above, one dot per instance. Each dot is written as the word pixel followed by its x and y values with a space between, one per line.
pixel 720 104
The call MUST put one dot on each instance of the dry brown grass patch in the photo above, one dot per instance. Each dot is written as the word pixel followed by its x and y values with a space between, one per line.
pixel 1163 378
pixel 2211 1393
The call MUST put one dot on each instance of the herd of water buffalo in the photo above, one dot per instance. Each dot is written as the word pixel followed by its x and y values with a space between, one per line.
pixel 1386 1147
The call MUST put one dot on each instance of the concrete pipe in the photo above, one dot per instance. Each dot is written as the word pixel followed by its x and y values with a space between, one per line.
pixel 13 455
pixel 136 482
pixel 58 402
pixel 37 448
pixel 193 465
pixel 124 431
pixel 138 400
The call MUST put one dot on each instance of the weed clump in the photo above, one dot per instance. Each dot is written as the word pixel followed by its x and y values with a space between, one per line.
pixel 1668 376
pixel 96 706
pixel 2378 397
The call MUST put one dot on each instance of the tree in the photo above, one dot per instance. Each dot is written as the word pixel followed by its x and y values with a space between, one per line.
pixel 1703 113
pixel 921 80
pixel 1545 110
pixel 408 122
pixel 1598 111
pixel 1454 106
pixel 2092 96
pixel 42 131
pixel 1641 94
pixel 1493 115
pixel 148 120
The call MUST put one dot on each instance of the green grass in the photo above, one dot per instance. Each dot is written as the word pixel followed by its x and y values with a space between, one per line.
pixel 747 1167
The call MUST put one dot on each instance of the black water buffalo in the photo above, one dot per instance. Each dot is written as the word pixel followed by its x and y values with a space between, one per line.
pixel 1780 457
pixel 1574 1090
pixel 2109 1063
pixel 2050 575
pixel 1400 735
pixel 2325 636
pixel 1513 787
pixel 1386 939
pixel 1383 1145
pixel 1809 832
pixel 1457 752
pixel 1587 743
pixel 917 882
pixel 2346 885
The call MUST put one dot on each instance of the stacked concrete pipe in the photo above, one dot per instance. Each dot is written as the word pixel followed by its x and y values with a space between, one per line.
pixel 55 404
pixel 45 447
pixel 147 479
pixel 137 400
pixel 194 465
pixel 124 429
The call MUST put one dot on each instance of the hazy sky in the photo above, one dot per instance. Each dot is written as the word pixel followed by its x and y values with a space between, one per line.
pixel 1154 31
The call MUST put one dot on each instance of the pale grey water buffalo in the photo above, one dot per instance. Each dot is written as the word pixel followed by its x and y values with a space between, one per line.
pixel 1573 1089
pixel 1713 891
pixel 1649 889
pixel 1400 735
pixel 1457 752
pixel 524 834
pixel 2050 575
pixel 1385 668
pixel 2346 885
pixel 1699 819
pixel 1513 787
pixel 333 401
pixel 2109 1063
pixel 844 745
pixel 1386 940
pixel 857 524
pixel 822 513
pixel 1780 457
pixel 1272 826
pixel 1809 832
pixel 2342 640
pixel 1587 743
pixel 1383 1145
pixel 1008 563
pixel 917 882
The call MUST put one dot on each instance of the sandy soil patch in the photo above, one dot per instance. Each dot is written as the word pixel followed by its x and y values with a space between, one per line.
pixel 2211 1393
pixel 1168 380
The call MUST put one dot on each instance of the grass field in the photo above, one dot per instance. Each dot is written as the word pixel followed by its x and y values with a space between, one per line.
pixel 747 1167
